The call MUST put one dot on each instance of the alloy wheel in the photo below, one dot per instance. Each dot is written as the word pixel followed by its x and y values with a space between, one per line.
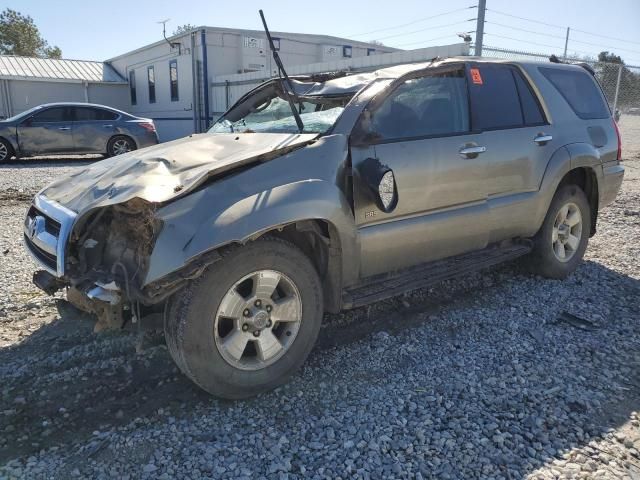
pixel 4 152
pixel 567 232
pixel 121 146
pixel 258 319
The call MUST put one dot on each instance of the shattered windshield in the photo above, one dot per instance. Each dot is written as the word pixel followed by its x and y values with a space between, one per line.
pixel 271 113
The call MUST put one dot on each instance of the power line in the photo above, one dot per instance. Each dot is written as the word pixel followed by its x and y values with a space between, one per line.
pixel 413 22
pixel 534 43
pixel 604 36
pixel 424 29
pixel 526 19
pixel 563 27
pixel 429 40
pixel 525 30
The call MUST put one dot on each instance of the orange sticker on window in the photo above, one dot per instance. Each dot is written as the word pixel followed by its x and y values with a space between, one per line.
pixel 475 76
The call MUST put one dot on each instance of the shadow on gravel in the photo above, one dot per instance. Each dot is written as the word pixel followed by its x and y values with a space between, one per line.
pixel 63 382
pixel 27 162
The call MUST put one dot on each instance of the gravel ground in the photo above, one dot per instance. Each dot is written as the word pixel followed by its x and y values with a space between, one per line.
pixel 474 378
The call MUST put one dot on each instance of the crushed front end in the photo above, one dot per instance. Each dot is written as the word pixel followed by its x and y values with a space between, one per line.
pixel 100 258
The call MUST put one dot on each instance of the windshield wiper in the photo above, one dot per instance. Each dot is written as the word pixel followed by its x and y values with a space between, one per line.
pixel 284 78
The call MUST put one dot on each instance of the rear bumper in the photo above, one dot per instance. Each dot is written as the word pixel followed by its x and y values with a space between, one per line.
pixel 611 182
pixel 146 140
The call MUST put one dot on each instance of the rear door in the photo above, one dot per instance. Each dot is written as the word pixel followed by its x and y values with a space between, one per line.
pixel 49 131
pixel 92 128
pixel 421 131
pixel 510 124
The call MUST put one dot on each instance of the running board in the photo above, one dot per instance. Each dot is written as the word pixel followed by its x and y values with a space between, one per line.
pixel 385 286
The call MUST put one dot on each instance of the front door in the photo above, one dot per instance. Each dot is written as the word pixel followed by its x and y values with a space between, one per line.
pixel 421 131
pixel 49 131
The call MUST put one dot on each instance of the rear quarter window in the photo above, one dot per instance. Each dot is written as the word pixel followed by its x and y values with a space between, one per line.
pixel 579 90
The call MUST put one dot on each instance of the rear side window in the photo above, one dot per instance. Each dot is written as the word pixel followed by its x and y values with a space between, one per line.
pixel 579 90
pixel 494 98
pixel 92 114
pixel 531 110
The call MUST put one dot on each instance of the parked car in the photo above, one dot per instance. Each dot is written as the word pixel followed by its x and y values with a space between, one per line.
pixel 329 194
pixel 74 128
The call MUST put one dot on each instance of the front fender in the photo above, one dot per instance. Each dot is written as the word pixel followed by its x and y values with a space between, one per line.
pixel 244 218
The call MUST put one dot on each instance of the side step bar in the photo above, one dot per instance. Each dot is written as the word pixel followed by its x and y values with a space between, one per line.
pixel 381 287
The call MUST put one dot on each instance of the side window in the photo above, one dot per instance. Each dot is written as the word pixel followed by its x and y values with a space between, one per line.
pixel 132 87
pixel 81 114
pixel 151 78
pixel 59 114
pixel 435 105
pixel 579 90
pixel 173 79
pixel 105 114
pixel 530 107
pixel 494 98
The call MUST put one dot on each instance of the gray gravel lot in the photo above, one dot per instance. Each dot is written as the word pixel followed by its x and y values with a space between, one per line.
pixel 473 378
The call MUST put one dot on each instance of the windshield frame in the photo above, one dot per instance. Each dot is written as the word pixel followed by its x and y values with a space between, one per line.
pixel 273 89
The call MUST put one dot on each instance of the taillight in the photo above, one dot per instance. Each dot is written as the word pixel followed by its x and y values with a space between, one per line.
pixel 149 126
pixel 619 155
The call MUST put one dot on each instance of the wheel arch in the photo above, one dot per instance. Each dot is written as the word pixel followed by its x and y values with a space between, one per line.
pixel 116 135
pixel 313 215
pixel 13 146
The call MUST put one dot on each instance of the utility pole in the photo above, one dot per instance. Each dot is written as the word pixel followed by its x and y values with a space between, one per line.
pixel 566 44
pixel 482 6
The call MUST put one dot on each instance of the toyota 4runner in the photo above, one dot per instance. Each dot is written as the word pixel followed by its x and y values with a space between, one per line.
pixel 325 193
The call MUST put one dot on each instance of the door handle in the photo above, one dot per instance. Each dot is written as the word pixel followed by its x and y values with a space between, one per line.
pixel 64 128
pixel 543 139
pixel 471 152
pixel 107 126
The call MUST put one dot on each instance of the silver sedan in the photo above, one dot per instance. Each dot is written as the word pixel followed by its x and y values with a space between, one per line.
pixel 74 128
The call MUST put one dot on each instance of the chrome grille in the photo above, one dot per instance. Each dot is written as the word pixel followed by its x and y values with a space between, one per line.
pixel 46 231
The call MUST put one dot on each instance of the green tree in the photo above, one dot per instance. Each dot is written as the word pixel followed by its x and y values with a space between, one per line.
pixel 20 36
pixel 187 27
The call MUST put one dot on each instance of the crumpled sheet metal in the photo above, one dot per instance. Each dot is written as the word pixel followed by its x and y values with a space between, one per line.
pixel 166 171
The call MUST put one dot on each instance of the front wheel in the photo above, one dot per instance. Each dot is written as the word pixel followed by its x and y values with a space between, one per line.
pixel 562 240
pixel 249 322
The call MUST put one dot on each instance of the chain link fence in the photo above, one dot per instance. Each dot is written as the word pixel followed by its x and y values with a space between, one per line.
pixel 620 83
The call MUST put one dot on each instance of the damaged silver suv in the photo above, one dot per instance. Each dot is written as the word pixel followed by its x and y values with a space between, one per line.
pixel 325 193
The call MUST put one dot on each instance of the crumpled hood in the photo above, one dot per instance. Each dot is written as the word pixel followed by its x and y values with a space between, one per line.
pixel 163 172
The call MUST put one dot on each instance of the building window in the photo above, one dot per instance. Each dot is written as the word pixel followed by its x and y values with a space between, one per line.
pixel 151 77
pixel 347 51
pixel 173 80
pixel 371 51
pixel 132 87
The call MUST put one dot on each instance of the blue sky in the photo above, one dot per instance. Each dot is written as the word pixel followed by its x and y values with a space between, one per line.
pixel 98 30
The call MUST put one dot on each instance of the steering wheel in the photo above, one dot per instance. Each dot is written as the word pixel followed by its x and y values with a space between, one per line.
pixel 262 107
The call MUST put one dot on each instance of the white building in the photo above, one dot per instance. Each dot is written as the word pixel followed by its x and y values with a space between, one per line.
pixel 26 82
pixel 167 77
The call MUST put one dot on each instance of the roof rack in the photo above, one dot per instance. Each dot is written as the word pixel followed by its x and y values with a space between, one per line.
pixel 586 66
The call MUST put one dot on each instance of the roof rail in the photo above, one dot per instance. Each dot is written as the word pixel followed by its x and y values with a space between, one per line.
pixel 586 66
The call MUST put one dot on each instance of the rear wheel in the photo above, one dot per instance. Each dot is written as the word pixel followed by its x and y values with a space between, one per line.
pixel 120 144
pixel 249 322
pixel 562 240
pixel 6 150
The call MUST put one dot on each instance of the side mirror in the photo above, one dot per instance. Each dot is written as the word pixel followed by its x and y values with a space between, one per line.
pixel 381 183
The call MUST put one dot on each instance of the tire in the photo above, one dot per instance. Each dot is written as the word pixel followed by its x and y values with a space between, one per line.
pixel 546 256
pixel 6 150
pixel 195 320
pixel 119 145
